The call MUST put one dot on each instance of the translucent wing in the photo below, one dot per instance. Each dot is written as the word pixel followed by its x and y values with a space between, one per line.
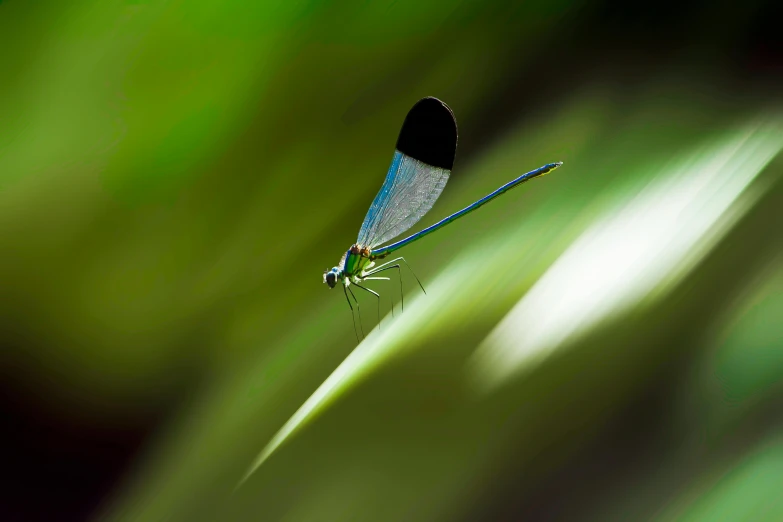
pixel 409 191
pixel 418 173
pixel 341 264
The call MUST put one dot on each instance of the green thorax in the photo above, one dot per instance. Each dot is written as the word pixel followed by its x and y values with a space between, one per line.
pixel 356 259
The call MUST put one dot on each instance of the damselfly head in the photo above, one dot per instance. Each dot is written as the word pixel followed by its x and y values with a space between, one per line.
pixel 330 277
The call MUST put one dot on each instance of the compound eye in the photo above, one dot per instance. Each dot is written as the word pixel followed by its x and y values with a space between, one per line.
pixel 330 279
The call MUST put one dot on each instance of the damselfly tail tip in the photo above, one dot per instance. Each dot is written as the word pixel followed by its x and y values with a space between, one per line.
pixel 546 169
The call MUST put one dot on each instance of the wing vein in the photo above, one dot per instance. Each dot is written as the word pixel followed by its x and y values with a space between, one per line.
pixel 409 191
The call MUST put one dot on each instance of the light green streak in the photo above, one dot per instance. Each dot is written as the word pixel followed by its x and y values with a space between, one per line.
pixel 637 250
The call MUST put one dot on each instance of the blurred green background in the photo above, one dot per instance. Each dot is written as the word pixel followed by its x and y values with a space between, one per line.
pixel 605 343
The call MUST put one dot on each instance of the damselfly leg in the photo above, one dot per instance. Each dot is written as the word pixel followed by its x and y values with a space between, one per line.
pixel 358 310
pixel 353 316
pixel 381 279
pixel 377 296
pixel 389 266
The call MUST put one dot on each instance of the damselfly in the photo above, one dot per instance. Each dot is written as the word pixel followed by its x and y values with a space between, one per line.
pixel 419 170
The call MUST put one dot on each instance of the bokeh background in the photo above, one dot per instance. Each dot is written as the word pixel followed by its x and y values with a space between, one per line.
pixel 605 343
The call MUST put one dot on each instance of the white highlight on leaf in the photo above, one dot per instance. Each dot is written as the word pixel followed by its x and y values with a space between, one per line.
pixel 636 250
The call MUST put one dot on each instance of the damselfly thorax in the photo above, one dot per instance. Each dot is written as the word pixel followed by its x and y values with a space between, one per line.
pixel 359 260
pixel 354 266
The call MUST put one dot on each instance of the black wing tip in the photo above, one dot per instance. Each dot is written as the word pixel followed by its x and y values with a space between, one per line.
pixel 429 133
